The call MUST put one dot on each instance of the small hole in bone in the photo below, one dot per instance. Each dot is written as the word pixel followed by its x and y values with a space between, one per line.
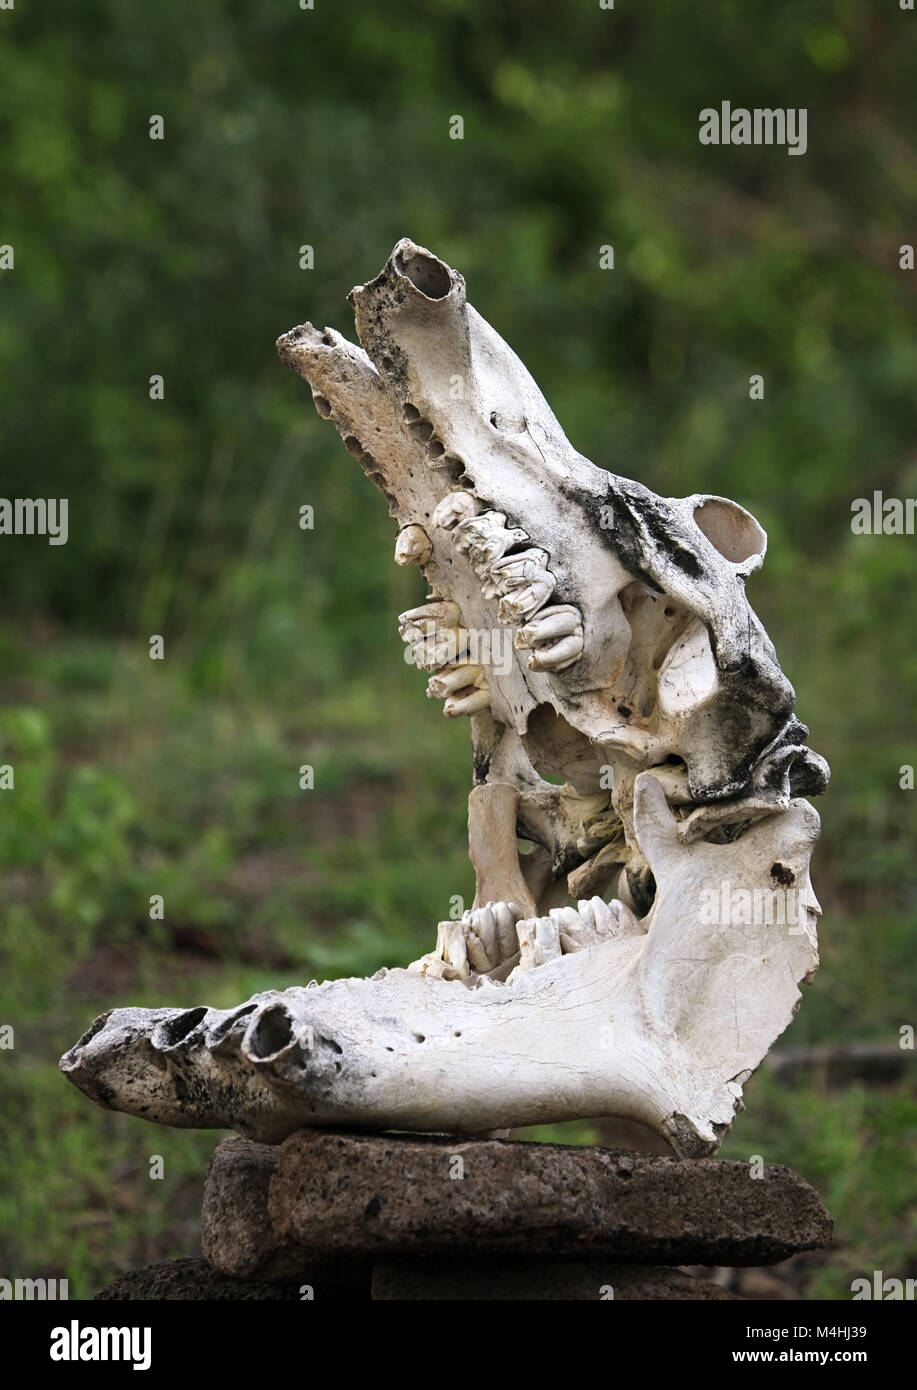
pixel 420 429
pixel 353 446
pixel 435 449
pixel 730 528
pixel 323 406
pixel 425 273
pixel 174 1029
pixel 419 1037
pixel 327 339
pixel 410 412
pixel 271 1033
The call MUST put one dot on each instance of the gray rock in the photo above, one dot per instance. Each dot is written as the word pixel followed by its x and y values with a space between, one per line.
pixel 324 1197
pixel 236 1232
pixel 236 1236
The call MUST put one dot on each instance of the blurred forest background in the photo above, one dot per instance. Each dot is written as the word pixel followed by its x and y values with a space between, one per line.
pixel 133 257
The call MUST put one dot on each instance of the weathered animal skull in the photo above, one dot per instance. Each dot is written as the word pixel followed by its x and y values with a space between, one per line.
pixel 592 632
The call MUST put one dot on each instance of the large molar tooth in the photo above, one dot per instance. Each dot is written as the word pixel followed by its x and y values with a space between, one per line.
pixel 455 678
pixel 523 603
pixel 555 636
pixel 473 703
pixel 558 656
pixel 627 923
pixel 548 626
pixel 413 546
pixel 483 553
pixel 443 648
pixel 455 507
pixel 451 948
pixel 574 933
pixel 539 942
pixel 514 571
pixel 478 528
pixel 601 921
pixel 599 916
pixel 485 538
pixel 434 631
pixel 417 623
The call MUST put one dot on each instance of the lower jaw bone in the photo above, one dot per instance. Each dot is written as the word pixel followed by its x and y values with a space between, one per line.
pixel 643 1027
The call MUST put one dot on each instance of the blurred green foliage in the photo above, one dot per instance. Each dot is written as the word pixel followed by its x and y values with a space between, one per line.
pixel 180 257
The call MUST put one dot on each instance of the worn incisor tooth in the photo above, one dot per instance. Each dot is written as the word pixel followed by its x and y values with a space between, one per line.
pixel 412 546
pixel 472 703
pixel 453 679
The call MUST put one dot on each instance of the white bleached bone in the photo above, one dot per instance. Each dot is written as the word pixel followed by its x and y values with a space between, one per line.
pixel 644 1026
pixel 639 745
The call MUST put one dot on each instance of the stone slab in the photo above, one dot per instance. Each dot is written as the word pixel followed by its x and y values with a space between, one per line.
pixel 324 1197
